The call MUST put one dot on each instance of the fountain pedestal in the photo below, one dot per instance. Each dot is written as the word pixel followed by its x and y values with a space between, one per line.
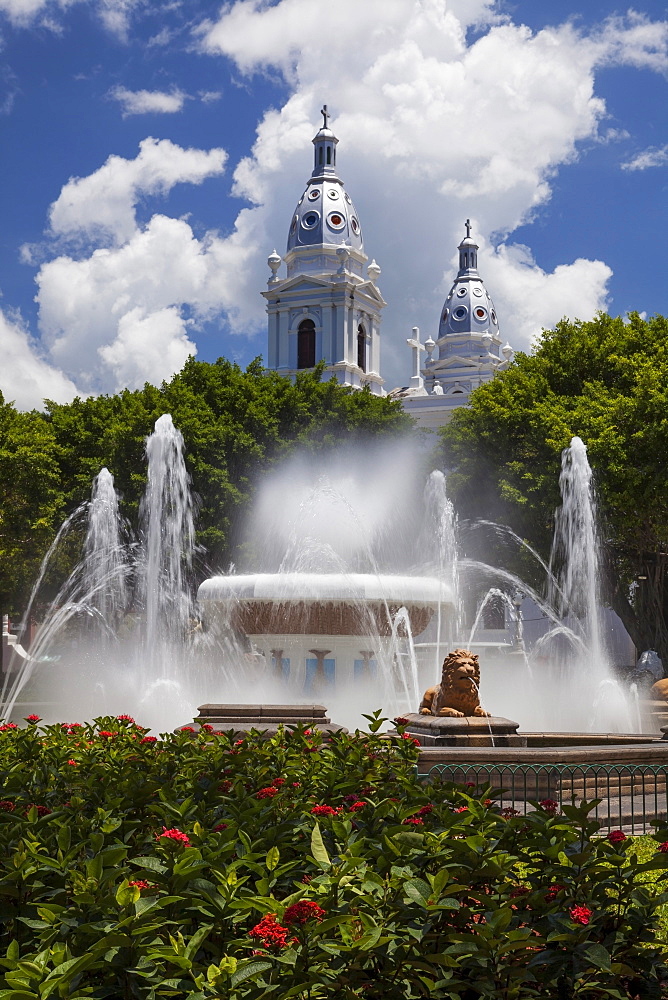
pixel 469 731
pixel 266 718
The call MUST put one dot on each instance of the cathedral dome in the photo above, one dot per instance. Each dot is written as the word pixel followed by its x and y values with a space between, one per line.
pixel 468 309
pixel 325 213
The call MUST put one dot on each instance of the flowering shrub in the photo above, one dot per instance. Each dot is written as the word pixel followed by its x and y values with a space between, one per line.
pixel 160 870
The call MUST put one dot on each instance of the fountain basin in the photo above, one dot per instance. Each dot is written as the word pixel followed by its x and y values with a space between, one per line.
pixel 321 629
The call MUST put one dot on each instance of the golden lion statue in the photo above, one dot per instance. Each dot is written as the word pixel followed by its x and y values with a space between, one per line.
pixel 457 694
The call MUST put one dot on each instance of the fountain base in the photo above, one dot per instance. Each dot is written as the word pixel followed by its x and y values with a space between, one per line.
pixel 469 731
pixel 240 719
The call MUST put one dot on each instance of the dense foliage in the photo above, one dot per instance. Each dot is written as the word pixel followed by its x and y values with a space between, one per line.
pixel 607 382
pixel 235 423
pixel 203 866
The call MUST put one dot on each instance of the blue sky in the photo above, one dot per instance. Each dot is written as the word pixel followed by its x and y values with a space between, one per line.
pixel 152 155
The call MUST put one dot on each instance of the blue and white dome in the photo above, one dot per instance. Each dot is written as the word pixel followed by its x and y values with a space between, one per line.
pixel 468 309
pixel 325 213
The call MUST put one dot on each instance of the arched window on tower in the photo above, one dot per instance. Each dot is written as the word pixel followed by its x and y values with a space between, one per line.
pixel 320 155
pixel 361 347
pixel 306 344
pixel 329 154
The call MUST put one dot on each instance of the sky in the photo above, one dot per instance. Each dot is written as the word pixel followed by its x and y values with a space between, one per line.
pixel 152 154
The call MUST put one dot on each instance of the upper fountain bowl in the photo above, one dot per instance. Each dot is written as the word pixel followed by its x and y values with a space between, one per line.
pixel 324 603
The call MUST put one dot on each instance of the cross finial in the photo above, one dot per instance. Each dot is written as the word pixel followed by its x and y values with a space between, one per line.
pixel 326 116
pixel 468 228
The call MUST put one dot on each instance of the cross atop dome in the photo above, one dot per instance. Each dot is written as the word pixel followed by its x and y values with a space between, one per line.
pixel 325 116
pixel 467 223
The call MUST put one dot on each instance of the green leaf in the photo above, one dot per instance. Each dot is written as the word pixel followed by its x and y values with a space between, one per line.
pixel 273 856
pixel 318 849
pixel 248 971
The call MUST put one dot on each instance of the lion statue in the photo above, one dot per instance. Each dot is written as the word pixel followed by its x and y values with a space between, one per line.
pixel 457 694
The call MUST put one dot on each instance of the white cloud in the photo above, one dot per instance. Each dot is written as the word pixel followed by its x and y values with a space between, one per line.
pixel 104 202
pixel 116 15
pixel 26 378
pixel 432 129
pixel 529 299
pixel 142 102
pixel 118 317
pixel 147 348
pixel 654 156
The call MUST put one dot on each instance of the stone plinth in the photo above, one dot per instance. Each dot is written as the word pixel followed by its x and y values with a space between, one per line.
pixel 469 731
pixel 240 719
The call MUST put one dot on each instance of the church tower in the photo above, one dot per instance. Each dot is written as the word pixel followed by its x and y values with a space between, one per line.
pixel 469 347
pixel 327 307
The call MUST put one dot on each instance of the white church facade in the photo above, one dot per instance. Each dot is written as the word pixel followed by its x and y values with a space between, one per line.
pixel 327 307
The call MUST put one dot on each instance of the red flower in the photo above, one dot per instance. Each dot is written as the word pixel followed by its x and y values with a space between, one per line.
pixel 296 784
pixel 106 734
pixel 519 890
pixel 277 782
pixel 580 914
pixel 140 884
pixel 306 879
pixel 8 725
pixel 553 892
pixel 149 739
pixel 41 810
pixel 461 809
pixel 225 786
pixel 126 718
pixel 426 809
pixel 270 933
pixel 549 806
pixel 238 743
pixel 509 811
pixel 69 726
pixel 7 806
pixel 413 821
pixel 400 721
pixel 323 811
pixel 206 728
pixel 407 736
pixel 304 910
pixel 176 835
pixel 356 806
pixel 221 826
pixel 187 729
pixel 616 836
pixel 663 848
pixel 267 793
pixel 33 718
pixel 73 763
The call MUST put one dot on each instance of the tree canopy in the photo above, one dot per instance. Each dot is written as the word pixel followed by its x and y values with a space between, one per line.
pixel 605 381
pixel 235 423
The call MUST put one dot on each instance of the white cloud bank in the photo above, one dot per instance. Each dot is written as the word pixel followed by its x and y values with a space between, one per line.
pixel 433 129
pixel 143 102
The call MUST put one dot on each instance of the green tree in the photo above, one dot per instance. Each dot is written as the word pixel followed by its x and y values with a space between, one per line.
pixel 607 382
pixel 31 500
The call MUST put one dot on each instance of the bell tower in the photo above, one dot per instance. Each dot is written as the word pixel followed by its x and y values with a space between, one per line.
pixel 327 306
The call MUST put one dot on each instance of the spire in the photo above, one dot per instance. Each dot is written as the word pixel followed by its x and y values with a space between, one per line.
pixel 325 142
pixel 468 251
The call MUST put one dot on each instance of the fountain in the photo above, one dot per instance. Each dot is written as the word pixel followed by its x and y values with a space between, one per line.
pixel 356 600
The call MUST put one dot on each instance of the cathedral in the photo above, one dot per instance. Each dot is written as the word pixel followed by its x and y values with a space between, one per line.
pixel 328 306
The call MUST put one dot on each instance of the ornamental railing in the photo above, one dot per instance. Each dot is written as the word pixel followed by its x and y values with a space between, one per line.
pixel 631 797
